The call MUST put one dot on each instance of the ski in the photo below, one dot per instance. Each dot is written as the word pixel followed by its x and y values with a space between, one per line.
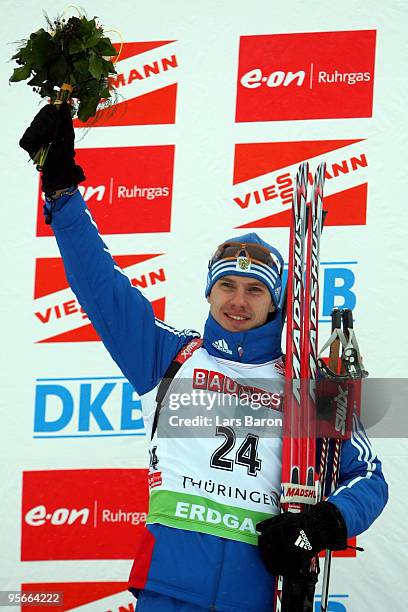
pixel 309 365
pixel 294 331
pixel 299 487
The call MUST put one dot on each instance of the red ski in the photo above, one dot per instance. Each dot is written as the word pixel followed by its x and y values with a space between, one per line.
pixel 300 485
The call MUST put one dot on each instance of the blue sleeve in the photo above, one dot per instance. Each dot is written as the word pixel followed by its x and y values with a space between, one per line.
pixel 362 491
pixel 141 345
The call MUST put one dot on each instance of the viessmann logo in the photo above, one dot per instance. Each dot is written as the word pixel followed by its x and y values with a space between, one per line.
pixel 57 315
pixel 146 84
pixel 82 514
pixel 315 75
pixel 264 175
pixel 128 189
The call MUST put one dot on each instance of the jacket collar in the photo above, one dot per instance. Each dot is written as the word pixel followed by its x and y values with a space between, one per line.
pixel 256 346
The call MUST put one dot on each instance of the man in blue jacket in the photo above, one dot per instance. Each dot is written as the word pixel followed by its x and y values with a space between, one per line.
pixel 208 492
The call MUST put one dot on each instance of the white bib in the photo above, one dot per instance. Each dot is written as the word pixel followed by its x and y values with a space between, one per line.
pixel 215 459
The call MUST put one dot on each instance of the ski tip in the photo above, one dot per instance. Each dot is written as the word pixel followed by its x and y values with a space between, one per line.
pixel 303 172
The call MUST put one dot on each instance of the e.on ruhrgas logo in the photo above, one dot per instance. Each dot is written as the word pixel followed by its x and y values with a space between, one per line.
pixel 315 75
pixel 58 317
pixel 83 514
pixel 264 181
pixel 145 84
pixel 128 189
pixel 90 596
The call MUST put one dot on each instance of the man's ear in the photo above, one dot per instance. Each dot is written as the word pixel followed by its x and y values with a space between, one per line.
pixel 272 307
pixel 208 298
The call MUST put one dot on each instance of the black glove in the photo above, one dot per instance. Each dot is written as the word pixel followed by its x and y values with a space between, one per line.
pixel 289 541
pixel 53 125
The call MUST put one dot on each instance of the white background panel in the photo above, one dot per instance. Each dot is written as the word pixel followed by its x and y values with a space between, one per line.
pixel 205 133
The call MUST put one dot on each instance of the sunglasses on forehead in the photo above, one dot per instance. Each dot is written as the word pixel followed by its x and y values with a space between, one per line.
pixel 252 251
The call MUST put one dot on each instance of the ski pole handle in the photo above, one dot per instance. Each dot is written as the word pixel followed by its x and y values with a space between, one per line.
pixel 336 318
pixel 347 319
pixel 335 345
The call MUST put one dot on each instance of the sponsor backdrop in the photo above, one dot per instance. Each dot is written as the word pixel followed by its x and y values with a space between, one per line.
pixel 218 103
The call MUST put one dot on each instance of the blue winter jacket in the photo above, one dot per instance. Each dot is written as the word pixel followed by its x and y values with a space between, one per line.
pixel 209 571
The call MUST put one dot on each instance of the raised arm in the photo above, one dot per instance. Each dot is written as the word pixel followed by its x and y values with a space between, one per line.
pixel 142 346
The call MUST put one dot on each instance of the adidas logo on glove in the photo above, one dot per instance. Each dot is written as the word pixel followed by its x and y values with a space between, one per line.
pixel 302 541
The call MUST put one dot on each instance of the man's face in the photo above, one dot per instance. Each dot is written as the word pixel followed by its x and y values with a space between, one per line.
pixel 239 304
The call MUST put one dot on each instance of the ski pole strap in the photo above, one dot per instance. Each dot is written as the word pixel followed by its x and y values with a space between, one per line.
pixel 351 356
pixel 336 333
pixel 181 357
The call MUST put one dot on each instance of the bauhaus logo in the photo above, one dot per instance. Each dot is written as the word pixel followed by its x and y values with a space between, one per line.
pixel 58 317
pixel 315 75
pixel 128 189
pixel 264 181
pixel 92 596
pixel 145 85
pixel 82 514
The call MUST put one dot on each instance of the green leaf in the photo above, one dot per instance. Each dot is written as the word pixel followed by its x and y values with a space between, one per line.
pixel 92 88
pixel 81 66
pixel 95 66
pixel 76 45
pixel 92 40
pixel 87 108
pixel 105 47
pixel 20 74
pixel 43 49
pixel 58 70
pixel 37 33
pixel 105 93
pixel 25 53
pixel 87 27
pixel 108 68
pixel 38 79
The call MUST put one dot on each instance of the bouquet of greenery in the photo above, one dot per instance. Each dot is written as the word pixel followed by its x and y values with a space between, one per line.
pixel 69 59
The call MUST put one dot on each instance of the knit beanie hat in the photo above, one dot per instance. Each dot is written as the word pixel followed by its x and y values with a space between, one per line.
pixel 268 271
